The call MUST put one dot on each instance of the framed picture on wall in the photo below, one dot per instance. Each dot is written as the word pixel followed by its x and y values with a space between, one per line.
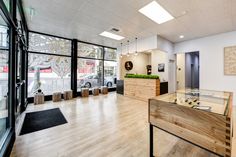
pixel 161 67
pixel 230 60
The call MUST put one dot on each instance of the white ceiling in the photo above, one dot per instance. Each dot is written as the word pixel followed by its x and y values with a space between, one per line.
pixel 86 19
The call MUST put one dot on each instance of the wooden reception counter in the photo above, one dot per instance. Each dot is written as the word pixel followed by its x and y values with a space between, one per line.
pixel 141 89
pixel 201 117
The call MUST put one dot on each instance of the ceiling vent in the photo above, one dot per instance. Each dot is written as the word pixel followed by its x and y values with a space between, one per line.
pixel 115 30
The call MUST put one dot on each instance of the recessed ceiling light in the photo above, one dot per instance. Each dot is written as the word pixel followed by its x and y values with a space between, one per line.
pixel 111 35
pixel 156 12
pixel 181 36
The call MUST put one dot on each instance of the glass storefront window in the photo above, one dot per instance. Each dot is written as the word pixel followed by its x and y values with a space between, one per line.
pixel 4 79
pixel 89 73
pixel 3 36
pixel 7 4
pixel 110 70
pixel 90 51
pixel 110 54
pixel 49 73
pixel 49 44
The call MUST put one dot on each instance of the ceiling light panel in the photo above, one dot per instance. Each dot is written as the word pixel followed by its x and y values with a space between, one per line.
pixel 156 12
pixel 111 35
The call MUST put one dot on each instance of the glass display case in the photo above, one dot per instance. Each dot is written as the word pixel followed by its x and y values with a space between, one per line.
pixel 207 100
pixel 201 117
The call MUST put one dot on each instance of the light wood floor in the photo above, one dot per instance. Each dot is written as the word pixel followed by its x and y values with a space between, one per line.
pixel 102 126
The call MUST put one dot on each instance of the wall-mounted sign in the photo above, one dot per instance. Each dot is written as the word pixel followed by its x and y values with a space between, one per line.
pixel 128 65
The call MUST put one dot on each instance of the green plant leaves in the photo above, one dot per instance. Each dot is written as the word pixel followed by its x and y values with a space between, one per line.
pixel 142 76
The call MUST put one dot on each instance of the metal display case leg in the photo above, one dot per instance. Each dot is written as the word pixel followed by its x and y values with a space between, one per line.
pixel 151 140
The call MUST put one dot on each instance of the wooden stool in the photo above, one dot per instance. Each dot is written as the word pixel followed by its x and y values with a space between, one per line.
pixel 84 92
pixel 56 97
pixel 68 95
pixel 39 98
pixel 95 91
pixel 104 90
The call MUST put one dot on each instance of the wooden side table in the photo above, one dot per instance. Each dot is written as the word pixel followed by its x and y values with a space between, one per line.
pixel 95 91
pixel 56 97
pixel 84 92
pixel 39 98
pixel 68 95
pixel 104 90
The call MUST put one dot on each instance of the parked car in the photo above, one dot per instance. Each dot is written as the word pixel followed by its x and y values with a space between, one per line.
pixel 93 80
pixel 109 81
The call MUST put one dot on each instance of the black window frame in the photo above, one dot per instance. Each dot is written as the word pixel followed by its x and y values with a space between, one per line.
pixel 74 60
pixel 9 16
pixel 49 96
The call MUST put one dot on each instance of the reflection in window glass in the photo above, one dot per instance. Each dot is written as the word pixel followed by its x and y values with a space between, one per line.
pixel 3 91
pixel 7 4
pixel 20 26
pixel 90 51
pixel 49 44
pixel 110 70
pixel 4 80
pixel 3 37
pixel 89 73
pixel 48 73
pixel 110 54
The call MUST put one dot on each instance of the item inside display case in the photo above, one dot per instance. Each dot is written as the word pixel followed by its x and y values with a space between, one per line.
pixel 211 101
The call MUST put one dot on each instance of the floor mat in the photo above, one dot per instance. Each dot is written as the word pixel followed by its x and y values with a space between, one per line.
pixel 35 121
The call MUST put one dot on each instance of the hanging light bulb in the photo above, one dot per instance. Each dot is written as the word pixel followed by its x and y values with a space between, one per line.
pixel 128 48
pixel 121 50
pixel 136 49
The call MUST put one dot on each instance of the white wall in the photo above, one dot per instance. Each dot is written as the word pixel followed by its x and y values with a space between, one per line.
pixel 180 71
pixel 211 55
pixel 144 44
pixel 159 57
pixel 139 64
pixel 168 47
pixel 165 45
pixel 152 43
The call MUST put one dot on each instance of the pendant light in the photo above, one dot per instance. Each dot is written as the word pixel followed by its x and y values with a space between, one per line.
pixel 121 44
pixel 128 48
pixel 136 49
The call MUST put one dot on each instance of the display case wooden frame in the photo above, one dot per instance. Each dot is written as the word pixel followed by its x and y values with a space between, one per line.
pixel 208 130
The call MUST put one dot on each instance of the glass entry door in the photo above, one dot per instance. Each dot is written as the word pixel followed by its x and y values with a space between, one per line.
pixel 4 79
pixel 21 75
pixel 19 83
pixel 20 66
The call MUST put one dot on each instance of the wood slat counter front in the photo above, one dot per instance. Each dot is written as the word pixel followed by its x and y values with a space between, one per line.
pixel 201 117
pixel 141 89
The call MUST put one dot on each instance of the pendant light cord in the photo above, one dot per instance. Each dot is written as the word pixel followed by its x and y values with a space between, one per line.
pixel 121 49
pixel 128 47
